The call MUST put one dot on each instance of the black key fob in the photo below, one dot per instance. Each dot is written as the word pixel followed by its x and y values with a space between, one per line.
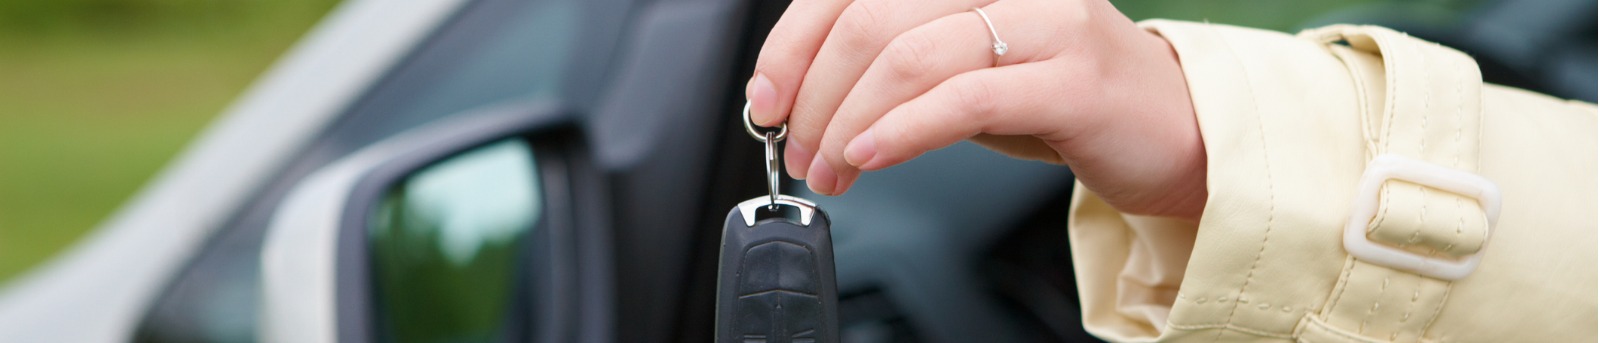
pixel 776 278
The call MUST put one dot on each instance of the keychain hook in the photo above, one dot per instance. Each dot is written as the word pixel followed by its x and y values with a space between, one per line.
pixel 783 131
pixel 772 171
pixel 770 139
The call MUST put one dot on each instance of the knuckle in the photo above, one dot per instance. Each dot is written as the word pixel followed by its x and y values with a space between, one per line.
pixel 806 122
pixel 909 57
pixel 974 98
pixel 919 134
pixel 780 44
pixel 902 135
pixel 860 23
pixel 786 51
pixel 1078 12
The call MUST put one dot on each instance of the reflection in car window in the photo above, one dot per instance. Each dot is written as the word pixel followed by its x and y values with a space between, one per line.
pixel 492 51
pixel 444 244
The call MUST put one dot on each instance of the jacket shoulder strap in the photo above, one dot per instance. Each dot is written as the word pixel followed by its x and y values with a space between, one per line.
pixel 1422 216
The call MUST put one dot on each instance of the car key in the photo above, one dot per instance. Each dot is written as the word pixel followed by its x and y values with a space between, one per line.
pixel 775 279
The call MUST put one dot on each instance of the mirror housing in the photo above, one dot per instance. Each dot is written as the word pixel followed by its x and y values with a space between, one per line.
pixel 316 268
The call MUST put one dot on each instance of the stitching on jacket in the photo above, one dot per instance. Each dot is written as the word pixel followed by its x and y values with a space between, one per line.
pixel 1415 294
pixel 1422 217
pixel 1382 289
pixel 1427 97
pixel 1391 75
pixel 1422 135
pixel 1460 120
pixel 1272 202
pixel 1384 213
pixel 1226 327
pixel 1344 281
pixel 1330 330
pixel 1448 286
pixel 1478 142
pixel 1388 130
pixel 1367 136
pixel 1391 80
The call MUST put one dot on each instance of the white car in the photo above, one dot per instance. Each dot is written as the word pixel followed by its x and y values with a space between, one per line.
pixel 529 170
pixel 560 171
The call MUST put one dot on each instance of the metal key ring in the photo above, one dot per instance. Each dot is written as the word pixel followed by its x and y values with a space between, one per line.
pixel 773 164
pixel 783 131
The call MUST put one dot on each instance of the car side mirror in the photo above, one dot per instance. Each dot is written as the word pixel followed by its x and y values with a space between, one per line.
pixel 459 230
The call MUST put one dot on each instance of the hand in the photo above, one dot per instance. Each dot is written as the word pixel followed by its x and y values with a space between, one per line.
pixel 868 84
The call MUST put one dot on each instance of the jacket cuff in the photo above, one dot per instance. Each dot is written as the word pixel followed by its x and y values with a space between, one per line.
pixel 1129 268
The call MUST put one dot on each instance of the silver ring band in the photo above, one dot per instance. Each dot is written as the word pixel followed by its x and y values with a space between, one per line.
pixel 783 131
pixel 1000 48
pixel 773 164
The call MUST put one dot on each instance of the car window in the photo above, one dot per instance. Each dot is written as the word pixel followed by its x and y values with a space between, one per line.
pixel 491 51
pixel 444 246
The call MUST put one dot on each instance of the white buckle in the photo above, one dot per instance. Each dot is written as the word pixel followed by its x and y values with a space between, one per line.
pixel 1365 206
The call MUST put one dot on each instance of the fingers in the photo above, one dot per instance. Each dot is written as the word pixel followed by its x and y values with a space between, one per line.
pixel 860 33
pixel 786 54
pixel 1023 99
pixel 915 62
pixel 797 159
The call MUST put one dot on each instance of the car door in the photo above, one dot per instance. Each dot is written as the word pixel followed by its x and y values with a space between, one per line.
pixel 639 86
pixel 670 159
pixel 621 116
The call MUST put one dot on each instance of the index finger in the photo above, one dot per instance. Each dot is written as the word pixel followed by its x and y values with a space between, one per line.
pixel 786 55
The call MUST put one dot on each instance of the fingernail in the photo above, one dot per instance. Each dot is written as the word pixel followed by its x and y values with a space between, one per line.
pixel 763 98
pixel 843 182
pixel 796 159
pixel 822 179
pixel 861 149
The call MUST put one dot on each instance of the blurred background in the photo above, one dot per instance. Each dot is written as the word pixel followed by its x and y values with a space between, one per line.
pixel 97 95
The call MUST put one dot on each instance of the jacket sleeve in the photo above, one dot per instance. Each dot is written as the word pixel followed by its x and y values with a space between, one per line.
pixel 1269 105
pixel 1130 267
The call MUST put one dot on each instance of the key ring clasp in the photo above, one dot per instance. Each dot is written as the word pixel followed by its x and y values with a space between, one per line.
pixel 773 163
pixel 770 139
pixel 783 131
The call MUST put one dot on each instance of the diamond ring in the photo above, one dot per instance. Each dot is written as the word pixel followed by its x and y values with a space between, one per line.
pixel 1000 47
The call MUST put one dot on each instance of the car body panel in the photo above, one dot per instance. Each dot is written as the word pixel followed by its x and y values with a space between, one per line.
pixel 654 100
pixel 71 298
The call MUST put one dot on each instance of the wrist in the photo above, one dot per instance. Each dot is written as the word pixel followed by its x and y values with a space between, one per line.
pixel 1164 94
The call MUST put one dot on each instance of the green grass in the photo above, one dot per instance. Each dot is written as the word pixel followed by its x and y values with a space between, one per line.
pixel 91 109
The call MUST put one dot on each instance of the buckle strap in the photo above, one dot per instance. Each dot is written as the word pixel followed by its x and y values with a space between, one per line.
pixel 1430 112
pixel 1431 107
pixel 1421 218
pixel 1390 168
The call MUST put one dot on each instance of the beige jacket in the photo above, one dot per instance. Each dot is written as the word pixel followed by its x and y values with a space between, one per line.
pixel 1290 124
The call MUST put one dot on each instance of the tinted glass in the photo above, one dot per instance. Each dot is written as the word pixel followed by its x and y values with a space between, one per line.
pixel 444 244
